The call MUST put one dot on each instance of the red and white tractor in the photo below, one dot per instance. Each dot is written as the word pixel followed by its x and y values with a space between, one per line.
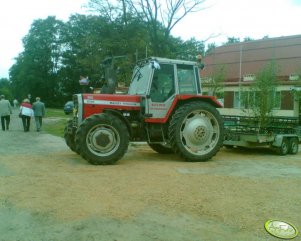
pixel 164 107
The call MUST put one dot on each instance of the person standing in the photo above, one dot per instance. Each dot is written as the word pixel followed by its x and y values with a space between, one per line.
pixel 5 112
pixel 26 114
pixel 16 103
pixel 39 112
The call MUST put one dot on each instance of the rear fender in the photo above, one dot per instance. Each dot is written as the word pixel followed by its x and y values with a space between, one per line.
pixel 209 99
pixel 181 100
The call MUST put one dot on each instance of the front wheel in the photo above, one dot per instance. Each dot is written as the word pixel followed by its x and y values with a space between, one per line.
pixel 69 135
pixel 102 139
pixel 196 131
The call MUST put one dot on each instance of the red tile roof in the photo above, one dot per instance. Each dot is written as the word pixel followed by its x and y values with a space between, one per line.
pixel 250 57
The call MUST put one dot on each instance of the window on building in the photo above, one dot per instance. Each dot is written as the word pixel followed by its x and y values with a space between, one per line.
pixel 294 77
pixel 236 100
pixel 206 80
pixel 228 99
pixel 277 102
pixel 249 99
pixel 249 77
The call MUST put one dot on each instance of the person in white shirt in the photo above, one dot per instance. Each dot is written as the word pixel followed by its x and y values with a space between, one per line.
pixel 26 113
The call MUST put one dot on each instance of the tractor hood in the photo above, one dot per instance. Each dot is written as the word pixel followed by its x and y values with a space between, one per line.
pixel 97 103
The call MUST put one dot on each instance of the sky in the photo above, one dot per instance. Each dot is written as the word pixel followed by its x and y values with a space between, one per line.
pixel 16 17
pixel 242 18
pixel 218 20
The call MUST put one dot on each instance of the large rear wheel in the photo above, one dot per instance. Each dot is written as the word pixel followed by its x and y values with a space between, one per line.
pixel 102 139
pixel 196 131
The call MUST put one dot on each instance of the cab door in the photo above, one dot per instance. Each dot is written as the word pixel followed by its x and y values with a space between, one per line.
pixel 161 92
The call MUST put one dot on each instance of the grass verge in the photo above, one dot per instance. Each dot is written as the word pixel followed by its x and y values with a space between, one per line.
pixel 55 121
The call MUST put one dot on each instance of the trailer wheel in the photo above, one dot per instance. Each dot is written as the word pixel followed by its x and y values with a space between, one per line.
pixel 293 146
pixel 160 148
pixel 283 149
pixel 196 131
pixel 69 135
pixel 102 139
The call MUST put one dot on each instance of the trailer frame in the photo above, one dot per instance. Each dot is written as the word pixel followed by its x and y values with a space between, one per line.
pixel 281 133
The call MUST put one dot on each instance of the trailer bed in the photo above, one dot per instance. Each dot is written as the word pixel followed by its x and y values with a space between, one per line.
pixel 282 133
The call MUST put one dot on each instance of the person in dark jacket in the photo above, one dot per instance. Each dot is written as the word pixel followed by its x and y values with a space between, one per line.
pixel 39 112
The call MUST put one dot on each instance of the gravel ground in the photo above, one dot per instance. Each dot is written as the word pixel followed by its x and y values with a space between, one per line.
pixel 49 193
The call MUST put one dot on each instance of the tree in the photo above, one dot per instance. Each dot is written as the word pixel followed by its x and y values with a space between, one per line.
pixel 5 88
pixel 210 48
pixel 160 17
pixel 188 50
pixel 232 40
pixel 263 96
pixel 17 74
pixel 56 54
pixel 90 39
pixel 248 39
pixel 216 82
pixel 84 39
pixel 108 10
pixel 36 68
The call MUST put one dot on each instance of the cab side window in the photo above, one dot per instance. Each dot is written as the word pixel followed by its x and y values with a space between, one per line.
pixel 186 79
pixel 162 86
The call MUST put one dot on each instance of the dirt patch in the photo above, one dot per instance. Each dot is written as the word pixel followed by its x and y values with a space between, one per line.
pixel 48 193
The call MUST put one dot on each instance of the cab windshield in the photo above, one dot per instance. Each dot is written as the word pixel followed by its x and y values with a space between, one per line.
pixel 140 80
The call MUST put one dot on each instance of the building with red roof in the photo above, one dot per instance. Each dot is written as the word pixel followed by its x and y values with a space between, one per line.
pixel 242 62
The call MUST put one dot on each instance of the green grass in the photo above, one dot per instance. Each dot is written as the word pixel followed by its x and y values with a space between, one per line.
pixel 51 112
pixel 55 121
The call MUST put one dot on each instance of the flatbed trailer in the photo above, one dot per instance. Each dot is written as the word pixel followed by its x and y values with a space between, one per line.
pixel 280 133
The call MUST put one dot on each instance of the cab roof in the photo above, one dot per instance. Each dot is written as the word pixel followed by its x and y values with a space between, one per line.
pixel 166 61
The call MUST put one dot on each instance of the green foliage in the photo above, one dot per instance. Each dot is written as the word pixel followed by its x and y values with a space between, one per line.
pixel 297 90
pixel 35 71
pixel 210 48
pixel 232 40
pixel 248 39
pixel 5 89
pixel 215 87
pixel 262 96
pixel 190 48
pixel 57 53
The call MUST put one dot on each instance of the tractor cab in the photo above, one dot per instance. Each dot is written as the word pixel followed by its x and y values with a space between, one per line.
pixel 160 80
pixel 166 76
